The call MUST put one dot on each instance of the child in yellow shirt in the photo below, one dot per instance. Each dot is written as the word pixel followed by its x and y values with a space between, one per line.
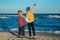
pixel 30 19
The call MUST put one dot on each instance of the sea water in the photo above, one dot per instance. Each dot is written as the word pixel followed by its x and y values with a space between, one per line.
pixel 42 22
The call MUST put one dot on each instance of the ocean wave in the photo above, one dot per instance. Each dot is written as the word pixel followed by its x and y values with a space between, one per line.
pixel 51 31
pixel 14 29
pixel 1 29
pixel 3 16
pixel 57 32
pixel 54 16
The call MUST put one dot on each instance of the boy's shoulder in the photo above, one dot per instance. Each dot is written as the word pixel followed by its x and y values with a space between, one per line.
pixel 23 16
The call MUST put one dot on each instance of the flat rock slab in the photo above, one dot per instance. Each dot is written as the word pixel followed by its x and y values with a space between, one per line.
pixel 9 36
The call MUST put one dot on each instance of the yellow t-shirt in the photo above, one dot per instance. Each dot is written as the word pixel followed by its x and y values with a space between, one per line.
pixel 30 16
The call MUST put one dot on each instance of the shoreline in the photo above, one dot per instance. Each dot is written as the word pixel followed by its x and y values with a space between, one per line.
pixel 37 31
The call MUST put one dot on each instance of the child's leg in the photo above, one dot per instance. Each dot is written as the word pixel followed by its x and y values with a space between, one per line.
pixel 23 31
pixel 29 28
pixel 19 31
pixel 33 29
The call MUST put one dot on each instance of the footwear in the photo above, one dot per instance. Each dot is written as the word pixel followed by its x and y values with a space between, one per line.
pixel 19 36
pixel 23 38
pixel 33 36
pixel 30 37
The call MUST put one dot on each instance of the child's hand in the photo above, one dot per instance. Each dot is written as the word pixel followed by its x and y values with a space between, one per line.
pixel 34 4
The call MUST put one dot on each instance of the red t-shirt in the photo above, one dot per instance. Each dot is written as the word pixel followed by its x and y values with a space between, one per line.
pixel 21 21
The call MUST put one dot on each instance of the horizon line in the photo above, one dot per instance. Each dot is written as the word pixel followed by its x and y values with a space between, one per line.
pixel 24 13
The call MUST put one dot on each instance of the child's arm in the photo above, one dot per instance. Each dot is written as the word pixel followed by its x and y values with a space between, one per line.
pixel 26 18
pixel 33 7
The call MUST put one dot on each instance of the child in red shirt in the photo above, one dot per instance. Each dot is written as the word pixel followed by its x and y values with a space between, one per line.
pixel 21 24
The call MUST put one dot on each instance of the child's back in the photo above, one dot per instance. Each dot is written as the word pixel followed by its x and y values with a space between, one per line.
pixel 30 15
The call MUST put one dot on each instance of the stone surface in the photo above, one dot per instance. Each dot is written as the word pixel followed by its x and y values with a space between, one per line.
pixel 39 36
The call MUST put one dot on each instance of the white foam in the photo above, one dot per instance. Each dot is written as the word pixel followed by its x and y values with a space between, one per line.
pixel 1 29
pixel 57 32
pixel 4 16
pixel 14 29
pixel 12 15
pixel 54 16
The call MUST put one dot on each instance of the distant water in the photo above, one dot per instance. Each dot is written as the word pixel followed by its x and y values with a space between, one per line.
pixel 42 22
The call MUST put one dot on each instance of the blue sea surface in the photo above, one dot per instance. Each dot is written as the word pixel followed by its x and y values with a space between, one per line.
pixel 42 22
